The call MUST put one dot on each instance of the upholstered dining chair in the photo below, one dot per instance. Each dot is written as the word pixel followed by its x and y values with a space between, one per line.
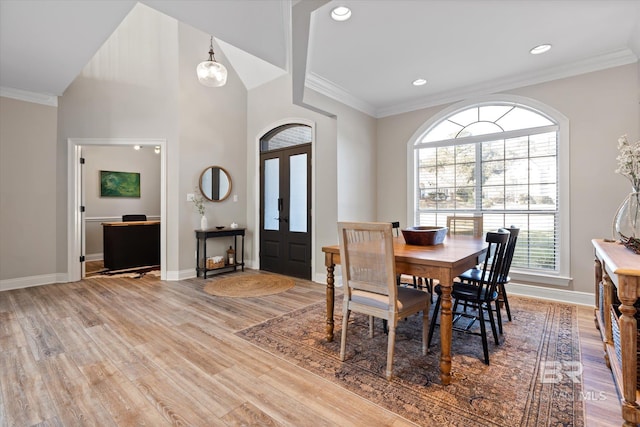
pixel 473 275
pixel 478 296
pixel 465 225
pixel 369 280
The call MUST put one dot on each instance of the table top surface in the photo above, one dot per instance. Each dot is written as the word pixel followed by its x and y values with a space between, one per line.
pixel 452 250
pixel 621 260
pixel 129 223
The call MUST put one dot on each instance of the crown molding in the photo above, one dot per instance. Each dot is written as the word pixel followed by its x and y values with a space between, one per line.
pixel 24 95
pixel 327 88
pixel 608 60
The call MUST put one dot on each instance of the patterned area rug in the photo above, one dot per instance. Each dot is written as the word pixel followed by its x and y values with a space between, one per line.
pixel 533 379
pixel 248 285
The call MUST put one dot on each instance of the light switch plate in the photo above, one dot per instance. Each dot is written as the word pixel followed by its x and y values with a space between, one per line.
pixel 190 197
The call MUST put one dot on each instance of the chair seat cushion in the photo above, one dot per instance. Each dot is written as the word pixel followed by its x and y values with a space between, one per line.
pixel 475 274
pixel 407 298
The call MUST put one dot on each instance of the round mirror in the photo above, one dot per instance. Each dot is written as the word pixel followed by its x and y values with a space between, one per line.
pixel 215 184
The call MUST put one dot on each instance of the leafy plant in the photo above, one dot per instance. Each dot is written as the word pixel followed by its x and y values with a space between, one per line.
pixel 198 201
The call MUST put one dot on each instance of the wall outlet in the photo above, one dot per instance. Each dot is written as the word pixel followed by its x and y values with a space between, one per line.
pixel 190 197
pixel 235 197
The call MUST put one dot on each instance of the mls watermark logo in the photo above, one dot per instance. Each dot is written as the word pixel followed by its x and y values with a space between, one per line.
pixel 554 372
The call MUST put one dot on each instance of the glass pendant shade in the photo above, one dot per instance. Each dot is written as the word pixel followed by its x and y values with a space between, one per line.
pixel 212 74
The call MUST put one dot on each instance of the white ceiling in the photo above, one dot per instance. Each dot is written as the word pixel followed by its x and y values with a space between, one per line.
pixel 461 47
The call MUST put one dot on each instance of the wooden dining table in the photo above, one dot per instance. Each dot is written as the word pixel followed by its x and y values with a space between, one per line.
pixel 443 262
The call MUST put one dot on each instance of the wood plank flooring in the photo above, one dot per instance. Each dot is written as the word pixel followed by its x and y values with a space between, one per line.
pixel 124 352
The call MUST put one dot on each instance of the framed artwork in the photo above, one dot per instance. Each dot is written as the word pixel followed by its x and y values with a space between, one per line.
pixel 119 184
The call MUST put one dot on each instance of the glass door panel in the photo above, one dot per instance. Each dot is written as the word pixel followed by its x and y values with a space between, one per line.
pixel 298 193
pixel 271 194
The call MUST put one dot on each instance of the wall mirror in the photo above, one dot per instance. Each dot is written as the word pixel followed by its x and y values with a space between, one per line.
pixel 215 183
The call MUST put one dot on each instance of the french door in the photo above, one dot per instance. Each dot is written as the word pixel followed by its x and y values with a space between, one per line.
pixel 285 211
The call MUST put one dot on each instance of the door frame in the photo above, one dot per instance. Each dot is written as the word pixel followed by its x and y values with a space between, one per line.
pixel 256 181
pixel 75 223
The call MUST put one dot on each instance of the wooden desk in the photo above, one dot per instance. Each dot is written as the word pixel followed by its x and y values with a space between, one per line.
pixel 131 244
pixel 442 262
pixel 617 274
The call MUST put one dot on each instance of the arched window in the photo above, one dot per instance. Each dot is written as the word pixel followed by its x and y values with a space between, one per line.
pixel 501 160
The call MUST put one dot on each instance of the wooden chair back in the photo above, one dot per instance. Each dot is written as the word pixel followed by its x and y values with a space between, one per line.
pixel 465 225
pixel 367 258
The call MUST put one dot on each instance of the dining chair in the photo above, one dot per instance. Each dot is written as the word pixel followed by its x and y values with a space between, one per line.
pixel 473 275
pixel 465 225
pixel 369 280
pixel 478 296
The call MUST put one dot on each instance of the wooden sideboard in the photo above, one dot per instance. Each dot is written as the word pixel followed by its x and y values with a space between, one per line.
pixel 617 277
pixel 131 244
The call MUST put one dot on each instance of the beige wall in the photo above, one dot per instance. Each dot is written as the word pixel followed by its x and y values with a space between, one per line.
pixel 212 131
pixel 27 190
pixel 600 107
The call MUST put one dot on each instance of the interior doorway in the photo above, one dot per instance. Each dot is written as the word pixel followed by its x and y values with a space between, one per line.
pixel 285 200
pixel 76 233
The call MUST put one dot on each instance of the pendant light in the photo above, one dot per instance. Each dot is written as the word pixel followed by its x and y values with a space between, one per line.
pixel 210 72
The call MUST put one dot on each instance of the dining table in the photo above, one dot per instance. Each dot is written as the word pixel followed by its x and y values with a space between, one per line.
pixel 442 262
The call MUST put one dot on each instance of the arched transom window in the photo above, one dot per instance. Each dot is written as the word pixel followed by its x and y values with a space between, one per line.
pixel 499 160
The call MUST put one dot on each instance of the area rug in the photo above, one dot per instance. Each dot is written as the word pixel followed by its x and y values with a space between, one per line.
pixel 533 379
pixel 249 285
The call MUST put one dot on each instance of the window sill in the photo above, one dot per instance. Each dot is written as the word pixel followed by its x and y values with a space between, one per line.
pixel 538 278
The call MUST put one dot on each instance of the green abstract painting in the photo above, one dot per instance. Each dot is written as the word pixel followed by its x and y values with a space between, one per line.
pixel 119 184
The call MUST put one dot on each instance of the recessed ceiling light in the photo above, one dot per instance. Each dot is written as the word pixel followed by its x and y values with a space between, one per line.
pixel 340 13
pixel 540 49
pixel 419 82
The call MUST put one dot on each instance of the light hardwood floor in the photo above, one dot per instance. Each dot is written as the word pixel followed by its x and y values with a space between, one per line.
pixel 117 351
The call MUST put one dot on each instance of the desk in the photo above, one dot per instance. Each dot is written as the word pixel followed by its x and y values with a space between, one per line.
pixel 131 244
pixel 442 262
pixel 201 241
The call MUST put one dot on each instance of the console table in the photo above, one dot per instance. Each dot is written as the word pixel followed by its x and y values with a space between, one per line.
pixel 213 233
pixel 617 276
pixel 131 244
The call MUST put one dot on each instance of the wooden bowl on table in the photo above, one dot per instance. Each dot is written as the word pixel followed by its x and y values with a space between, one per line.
pixel 424 235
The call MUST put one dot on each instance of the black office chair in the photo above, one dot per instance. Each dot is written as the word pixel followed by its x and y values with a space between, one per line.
pixel 134 217
pixel 478 296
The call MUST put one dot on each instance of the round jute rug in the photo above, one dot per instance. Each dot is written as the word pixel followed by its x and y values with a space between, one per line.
pixel 254 285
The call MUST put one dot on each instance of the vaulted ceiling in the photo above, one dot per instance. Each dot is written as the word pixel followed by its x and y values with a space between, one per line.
pixel 461 47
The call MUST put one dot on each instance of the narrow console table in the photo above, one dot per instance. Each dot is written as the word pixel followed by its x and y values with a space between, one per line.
pixel 201 241
pixel 617 276
pixel 131 244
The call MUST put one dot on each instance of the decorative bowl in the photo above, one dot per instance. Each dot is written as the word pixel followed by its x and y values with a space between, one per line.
pixel 424 235
pixel 219 227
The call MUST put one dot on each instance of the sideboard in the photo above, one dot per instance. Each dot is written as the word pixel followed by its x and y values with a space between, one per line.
pixel 617 280
pixel 201 242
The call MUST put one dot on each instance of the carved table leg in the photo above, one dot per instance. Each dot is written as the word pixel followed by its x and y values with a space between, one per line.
pixel 330 301
pixel 445 333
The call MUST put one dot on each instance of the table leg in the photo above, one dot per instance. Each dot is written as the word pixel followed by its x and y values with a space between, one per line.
pixel 330 301
pixel 445 332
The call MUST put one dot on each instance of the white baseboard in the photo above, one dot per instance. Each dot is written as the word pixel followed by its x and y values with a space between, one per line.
pixel 559 295
pixel 27 282
pixel 540 292
pixel 94 257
